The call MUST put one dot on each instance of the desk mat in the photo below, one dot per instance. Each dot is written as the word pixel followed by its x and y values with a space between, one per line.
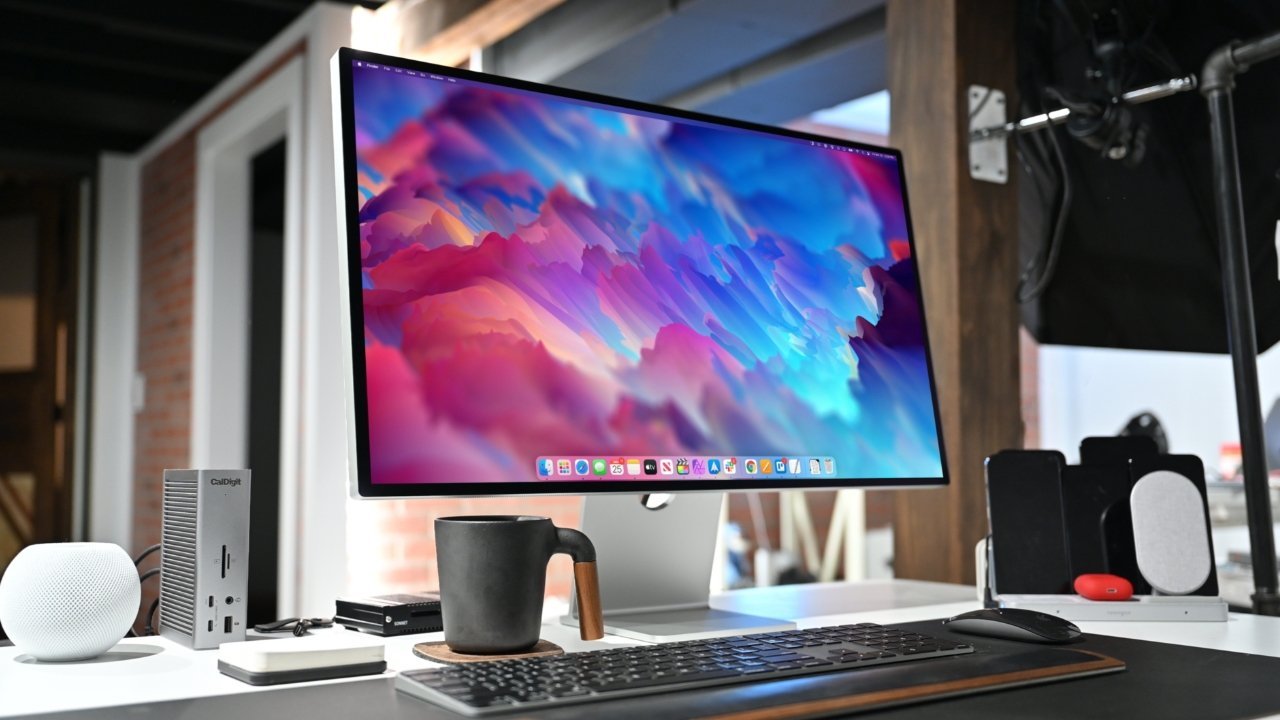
pixel 1171 682
pixel 936 680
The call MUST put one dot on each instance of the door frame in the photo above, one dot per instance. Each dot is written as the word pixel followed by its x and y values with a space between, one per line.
pixel 271 111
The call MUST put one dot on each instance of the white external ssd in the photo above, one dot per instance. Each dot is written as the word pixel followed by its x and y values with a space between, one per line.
pixel 297 659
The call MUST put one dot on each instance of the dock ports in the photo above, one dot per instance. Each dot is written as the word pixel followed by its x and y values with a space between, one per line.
pixel 210 626
pixel 225 561
pixel 226 624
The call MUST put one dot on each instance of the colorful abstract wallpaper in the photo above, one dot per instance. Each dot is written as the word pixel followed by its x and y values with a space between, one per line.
pixel 549 277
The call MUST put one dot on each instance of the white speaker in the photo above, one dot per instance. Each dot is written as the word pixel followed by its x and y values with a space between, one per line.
pixel 69 601
pixel 1170 534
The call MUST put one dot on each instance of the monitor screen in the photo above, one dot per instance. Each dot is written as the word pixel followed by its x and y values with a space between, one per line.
pixel 551 291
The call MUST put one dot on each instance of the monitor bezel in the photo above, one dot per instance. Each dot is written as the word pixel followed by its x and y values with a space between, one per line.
pixel 356 411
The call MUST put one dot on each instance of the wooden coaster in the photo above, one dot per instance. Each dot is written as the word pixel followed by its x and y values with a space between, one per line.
pixel 439 652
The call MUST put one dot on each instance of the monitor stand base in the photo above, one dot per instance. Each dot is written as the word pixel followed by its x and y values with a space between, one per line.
pixel 655 568
pixel 686 624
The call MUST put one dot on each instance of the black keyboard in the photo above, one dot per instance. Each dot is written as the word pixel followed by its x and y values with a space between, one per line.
pixel 532 683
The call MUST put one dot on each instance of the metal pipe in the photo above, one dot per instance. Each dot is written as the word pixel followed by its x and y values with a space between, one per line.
pixel 1137 96
pixel 1219 75
pixel 1257 50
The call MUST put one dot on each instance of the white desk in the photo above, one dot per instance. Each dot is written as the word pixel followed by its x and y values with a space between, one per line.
pixel 170 672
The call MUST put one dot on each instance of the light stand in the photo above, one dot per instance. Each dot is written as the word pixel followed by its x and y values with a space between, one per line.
pixel 1217 80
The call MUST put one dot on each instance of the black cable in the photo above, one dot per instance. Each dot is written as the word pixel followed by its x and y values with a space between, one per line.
pixel 297 626
pixel 276 626
pixel 141 579
pixel 143 556
pixel 151 613
pixel 1034 274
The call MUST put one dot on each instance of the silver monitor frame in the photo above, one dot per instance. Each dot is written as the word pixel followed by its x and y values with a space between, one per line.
pixel 655 564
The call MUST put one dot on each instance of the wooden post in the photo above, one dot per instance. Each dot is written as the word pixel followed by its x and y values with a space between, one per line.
pixel 966 240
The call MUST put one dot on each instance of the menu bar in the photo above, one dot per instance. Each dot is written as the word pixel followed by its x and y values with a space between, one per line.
pixel 445 78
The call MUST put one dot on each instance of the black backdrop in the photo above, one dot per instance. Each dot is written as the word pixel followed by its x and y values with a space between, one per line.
pixel 1138 265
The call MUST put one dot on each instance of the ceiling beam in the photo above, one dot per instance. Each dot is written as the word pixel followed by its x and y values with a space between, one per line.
pixel 40 38
pixel 573 34
pixel 287 7
pixel 447 32
pixel 771 61
pixel 61 138
pixel 292 8
pixel 59 73
pixel 112 22
pixel 39 51
pixel 48 163
pixel 78 107
pixel 829 41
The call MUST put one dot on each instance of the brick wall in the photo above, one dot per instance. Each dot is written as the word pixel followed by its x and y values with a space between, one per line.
pixel 391 544
pixel 167 236
pixel 165 246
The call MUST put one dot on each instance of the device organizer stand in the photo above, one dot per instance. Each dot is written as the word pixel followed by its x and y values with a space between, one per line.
pixel 1080 515
pixel 1155 608
pixel 1150 608
pixel 655 569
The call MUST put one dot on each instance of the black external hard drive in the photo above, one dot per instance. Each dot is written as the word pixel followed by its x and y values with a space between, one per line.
pixel 400 614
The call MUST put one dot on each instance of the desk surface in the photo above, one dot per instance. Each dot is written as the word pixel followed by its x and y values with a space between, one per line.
pixel 150 670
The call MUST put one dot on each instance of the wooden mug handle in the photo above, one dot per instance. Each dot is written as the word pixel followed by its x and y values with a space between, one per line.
pixel 590 615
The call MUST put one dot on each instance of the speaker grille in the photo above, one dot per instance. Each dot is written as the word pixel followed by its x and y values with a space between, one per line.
pixel 178 553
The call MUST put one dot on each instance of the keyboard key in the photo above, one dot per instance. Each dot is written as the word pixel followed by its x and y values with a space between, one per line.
pixel 575 692
pixel 786 659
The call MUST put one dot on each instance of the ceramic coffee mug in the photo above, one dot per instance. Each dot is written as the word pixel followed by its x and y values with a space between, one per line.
pixel 493 573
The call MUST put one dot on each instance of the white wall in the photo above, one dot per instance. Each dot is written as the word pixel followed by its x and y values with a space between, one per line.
pixel 317 496
pixel 1089 391
pixel 322 468
pixel 115 321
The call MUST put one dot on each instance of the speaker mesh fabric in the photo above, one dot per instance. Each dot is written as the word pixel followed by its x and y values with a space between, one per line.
pixel 1170 538
pixel 69 601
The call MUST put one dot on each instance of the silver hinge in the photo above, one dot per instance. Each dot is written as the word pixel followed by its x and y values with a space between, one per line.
pixel 988 156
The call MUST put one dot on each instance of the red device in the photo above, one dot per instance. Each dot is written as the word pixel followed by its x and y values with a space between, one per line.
pixel 1100 586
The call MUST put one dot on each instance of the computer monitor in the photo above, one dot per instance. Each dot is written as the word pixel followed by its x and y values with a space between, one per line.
pixel 549 292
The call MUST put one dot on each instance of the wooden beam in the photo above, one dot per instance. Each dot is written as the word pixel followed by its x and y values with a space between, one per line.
pixel 966 240
pixel 447 32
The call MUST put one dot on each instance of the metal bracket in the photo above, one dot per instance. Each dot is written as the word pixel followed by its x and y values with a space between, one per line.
pixel 988 156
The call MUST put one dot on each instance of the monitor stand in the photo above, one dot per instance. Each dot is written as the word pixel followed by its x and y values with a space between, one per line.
pixel 655 568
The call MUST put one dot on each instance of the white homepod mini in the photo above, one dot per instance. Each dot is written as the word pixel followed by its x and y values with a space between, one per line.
pixel 69 601
pixel 1170 533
